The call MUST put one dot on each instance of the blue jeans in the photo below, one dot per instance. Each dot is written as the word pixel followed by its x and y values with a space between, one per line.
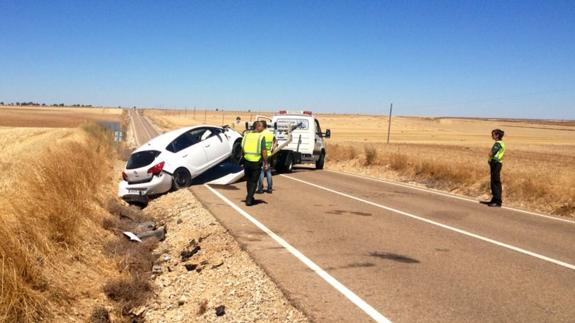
pixel 267 174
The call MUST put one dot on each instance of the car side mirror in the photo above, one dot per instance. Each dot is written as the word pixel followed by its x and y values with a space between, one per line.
pixel 327 133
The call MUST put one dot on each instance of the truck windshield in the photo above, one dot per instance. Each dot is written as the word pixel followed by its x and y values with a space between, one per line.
pixel 285 124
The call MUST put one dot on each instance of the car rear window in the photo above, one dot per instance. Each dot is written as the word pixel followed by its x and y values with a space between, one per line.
pixel 142 158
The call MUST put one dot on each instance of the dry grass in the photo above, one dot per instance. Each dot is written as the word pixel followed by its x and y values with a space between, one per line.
pixel 171 119
pixel 51 225
pixel 535 180
pixel 55 117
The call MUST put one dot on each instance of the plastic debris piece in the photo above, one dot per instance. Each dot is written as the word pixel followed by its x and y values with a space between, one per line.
pixel 132 236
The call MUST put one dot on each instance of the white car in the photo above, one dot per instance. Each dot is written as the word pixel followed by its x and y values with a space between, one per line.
pixel 173 159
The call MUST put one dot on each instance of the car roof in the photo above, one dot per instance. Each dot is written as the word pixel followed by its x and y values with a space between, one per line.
pixel 160 142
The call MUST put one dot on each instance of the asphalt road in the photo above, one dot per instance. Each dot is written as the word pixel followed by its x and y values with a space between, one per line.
pixel 142 128
pixel 347 248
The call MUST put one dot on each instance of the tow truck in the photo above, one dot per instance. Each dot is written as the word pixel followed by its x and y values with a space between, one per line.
pixel 300 140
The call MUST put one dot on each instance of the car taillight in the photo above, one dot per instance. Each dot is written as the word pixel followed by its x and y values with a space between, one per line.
pixel 125 176
pixel 156 169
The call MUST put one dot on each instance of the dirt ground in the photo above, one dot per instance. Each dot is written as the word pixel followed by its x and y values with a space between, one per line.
pixel 55 117
pixel 222 274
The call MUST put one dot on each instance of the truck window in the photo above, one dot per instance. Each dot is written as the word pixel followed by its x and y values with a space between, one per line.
pixel 317 128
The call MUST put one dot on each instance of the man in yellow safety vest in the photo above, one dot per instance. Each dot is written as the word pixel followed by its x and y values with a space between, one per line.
pixel 495 164
pixel 270 145
pixel 255 155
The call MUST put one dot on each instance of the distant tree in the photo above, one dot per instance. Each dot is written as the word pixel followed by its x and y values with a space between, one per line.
pixel 1 103
pixel 43 104
pixel 61 105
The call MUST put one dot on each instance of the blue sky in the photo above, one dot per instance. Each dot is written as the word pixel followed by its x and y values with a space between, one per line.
pixel 464 58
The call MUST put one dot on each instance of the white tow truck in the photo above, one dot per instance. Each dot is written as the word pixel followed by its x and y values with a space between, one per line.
pixel 300 140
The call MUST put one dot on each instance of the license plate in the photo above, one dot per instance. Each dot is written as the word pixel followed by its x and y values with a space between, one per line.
pixel 136 192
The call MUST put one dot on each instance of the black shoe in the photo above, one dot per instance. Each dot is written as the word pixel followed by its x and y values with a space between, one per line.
pixel 259 192
pixel 269 190
pixel 494 204
pixel 249 203
pixel 485 202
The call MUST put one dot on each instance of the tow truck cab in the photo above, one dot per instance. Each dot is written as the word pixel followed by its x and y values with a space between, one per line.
pixel 307 145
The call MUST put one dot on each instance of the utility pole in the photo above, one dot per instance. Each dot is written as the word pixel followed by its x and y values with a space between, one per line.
pixel 194 113
pixel 205 116
pixel 223 116
pixel 389 122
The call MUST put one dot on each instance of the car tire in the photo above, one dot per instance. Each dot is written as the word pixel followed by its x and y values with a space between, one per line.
pixel 236 155
pixel 321 161
pixel 181 178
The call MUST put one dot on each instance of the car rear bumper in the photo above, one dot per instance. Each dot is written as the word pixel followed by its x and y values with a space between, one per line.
pixel 159 184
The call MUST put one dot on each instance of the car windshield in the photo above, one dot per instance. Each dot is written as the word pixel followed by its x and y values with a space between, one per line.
pixel 142 158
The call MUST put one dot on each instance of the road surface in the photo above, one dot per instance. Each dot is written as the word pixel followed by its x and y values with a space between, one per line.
pixel 350 248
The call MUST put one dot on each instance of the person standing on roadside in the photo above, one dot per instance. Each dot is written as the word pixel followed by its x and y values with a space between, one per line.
pixel 495 164
pixel 270 145
pixel 255 155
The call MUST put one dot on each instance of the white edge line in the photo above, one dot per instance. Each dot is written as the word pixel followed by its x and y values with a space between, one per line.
pixel 445 194
pixel 469 234
pixel 368 309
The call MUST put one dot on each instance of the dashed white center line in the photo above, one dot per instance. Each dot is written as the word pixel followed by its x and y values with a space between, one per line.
pixel 466 233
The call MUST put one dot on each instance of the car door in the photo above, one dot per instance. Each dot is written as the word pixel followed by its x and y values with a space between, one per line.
pixel 216 144
pixel 188 151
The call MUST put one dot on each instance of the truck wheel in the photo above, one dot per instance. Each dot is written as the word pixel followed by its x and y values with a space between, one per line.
pixel 284 162
pixel 182 178
pixel 319 163
pixel 288 165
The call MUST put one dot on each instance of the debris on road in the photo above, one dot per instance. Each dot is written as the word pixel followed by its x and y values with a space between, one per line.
pixel 132 236
pixel 187 254
pixel 159 234
pixel 220 310
pixel 228 275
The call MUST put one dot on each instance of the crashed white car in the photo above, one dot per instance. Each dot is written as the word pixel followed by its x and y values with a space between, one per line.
pixel 173 159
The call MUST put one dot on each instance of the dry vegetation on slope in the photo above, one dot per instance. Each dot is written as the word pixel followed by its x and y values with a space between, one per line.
pixel 61 253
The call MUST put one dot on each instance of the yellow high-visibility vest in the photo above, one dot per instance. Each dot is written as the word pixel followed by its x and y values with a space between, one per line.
pixel 252 146
pixel 269 136
pixel 499 155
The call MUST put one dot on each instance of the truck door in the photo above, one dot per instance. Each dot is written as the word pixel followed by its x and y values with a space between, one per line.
pixel 318 140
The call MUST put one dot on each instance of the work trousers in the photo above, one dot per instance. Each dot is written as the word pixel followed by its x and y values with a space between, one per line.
pixel 268 175
pixel 252 173
pixel 496 189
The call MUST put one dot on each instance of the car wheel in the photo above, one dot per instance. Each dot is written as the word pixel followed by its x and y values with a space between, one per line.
pixel 236 155
pixel 321 161
pixel 182 178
